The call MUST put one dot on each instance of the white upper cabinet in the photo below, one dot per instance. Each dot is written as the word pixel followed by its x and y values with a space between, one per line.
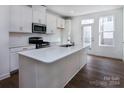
pixel 66 34
pixel 60 22
pixel 39 14
pixel 51 23
pixel 21 19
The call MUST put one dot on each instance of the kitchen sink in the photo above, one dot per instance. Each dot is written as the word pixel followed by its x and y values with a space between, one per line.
pixel 66 45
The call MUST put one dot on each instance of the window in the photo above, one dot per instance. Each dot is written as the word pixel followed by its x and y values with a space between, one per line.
pixel 87 21
pixel 106 31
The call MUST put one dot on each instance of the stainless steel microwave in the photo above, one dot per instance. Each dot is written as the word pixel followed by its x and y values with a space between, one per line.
pixel 38 28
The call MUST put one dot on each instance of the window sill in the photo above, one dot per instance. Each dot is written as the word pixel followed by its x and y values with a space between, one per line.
pixel 106 45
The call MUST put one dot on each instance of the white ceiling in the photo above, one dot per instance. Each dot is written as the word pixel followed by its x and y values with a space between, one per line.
pixel 76 10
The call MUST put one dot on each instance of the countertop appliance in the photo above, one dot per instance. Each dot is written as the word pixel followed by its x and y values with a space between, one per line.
pixel 39 42
pixel 38 28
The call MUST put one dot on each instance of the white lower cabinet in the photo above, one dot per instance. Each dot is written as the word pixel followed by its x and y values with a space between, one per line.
pixel 14 61
pixel 14 64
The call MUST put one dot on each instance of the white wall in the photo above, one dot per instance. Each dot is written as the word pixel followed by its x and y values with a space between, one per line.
pixel 4 42
pixel 101 51
pixel 123 33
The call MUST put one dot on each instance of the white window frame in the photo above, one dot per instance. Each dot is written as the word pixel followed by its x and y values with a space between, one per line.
pixel 101 32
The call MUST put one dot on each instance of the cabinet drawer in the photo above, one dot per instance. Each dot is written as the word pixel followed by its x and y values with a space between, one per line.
pixel 22 48
pixel 15 49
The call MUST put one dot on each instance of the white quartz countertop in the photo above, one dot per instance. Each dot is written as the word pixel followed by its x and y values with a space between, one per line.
pixel 51 54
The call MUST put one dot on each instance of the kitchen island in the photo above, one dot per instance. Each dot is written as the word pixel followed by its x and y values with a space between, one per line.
pixel 50 67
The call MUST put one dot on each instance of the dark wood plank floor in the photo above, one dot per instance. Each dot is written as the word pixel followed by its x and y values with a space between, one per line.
pixel 99 72
pixel 11 82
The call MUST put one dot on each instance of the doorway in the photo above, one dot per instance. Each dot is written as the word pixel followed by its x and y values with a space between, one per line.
pixel 87 31
pixel 87 35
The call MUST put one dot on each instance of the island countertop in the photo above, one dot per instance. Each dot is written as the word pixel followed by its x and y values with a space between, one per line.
pixel 51 54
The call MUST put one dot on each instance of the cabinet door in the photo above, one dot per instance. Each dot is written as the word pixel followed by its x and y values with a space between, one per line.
pixel 43 14
pixel 14 64
pixel 58 21
pixel 15 18
pixel 39 14
pixel 20 19
pixel 51 23
pixel 36 14
pixel 62 23
pixel 26 19
pixel 14 61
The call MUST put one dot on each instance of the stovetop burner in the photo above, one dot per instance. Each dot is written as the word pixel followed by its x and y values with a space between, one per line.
pixel 39 42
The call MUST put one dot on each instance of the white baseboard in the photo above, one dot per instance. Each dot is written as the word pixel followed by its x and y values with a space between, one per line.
pixel 4 76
